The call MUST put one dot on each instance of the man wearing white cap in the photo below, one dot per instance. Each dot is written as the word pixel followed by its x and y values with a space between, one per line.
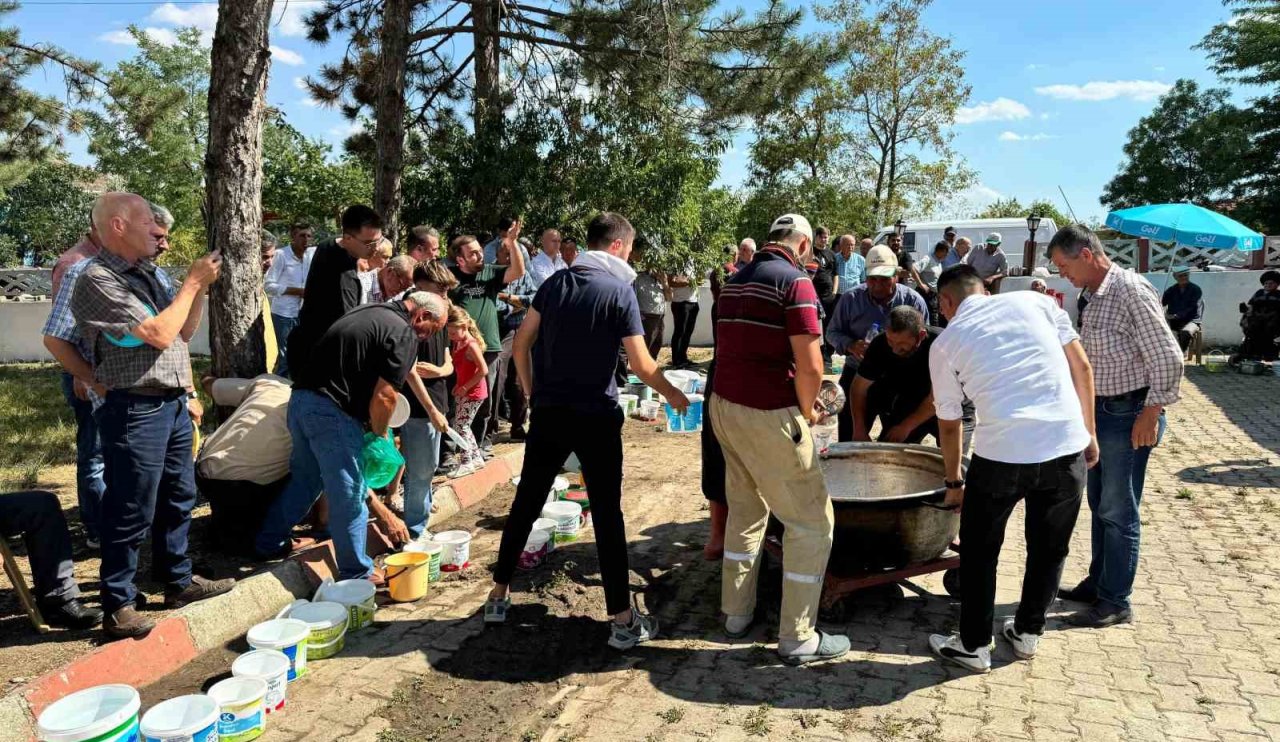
pixel 991 263
pixel 768 370
pixel 863 313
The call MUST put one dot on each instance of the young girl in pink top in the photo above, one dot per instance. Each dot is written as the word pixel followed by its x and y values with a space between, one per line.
pixel 470 387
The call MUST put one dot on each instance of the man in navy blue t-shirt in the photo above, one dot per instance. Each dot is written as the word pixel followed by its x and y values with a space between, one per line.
pixel 566 351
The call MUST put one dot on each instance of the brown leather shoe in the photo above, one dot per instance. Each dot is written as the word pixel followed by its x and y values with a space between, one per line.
pixel 127 623
pixel 199 589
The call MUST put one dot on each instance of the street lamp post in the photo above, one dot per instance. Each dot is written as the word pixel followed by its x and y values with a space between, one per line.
pixel 900 228
pixel 1029 250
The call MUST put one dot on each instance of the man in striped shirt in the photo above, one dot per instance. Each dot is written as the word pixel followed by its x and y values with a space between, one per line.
pixel 1137 366
pixel 768 370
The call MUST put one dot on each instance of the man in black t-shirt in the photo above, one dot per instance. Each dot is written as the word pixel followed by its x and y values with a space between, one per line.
pixel 893 382
pixel 823 274
pixel 332 287
pixel 348 387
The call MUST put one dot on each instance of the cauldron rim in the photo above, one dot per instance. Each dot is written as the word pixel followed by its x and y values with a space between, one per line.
pixel 853 449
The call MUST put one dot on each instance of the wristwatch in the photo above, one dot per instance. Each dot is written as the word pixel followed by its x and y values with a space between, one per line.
pixel 953 484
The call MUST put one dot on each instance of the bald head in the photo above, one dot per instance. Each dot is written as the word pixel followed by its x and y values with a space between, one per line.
pixel 865 246
pixel 126 225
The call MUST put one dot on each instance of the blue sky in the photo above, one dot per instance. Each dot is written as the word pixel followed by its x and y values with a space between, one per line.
pixel 1056 86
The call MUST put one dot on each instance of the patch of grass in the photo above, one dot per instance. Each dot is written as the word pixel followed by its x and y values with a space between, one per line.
pixel 846 722
pixel 672 715
pixel 36 425
pixel 1183 494
pixel 1242 492
pixel 1203 700
pixel 756 723
pixel 807 719
pixel 557 580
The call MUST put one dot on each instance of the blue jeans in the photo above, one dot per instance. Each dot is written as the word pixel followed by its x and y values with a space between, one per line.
pixel 420 444
pixel 326 457
pixel 282 326
pixel 1115 492
pixel 89 484
pixel 150 476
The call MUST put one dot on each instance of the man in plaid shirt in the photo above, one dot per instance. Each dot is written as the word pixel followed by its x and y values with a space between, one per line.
pixel 1137 366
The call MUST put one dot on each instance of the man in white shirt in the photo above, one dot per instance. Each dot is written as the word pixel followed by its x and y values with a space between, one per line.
pixel 1035 439
pixel 284 283
pixel 548 260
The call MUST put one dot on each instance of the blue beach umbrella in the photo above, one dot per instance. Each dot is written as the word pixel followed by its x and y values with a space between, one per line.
pixel 1185 224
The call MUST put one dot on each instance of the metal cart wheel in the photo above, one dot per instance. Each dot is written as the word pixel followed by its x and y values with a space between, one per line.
pixel 951 582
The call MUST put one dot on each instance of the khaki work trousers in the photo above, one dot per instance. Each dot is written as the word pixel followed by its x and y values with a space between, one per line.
pixel 771 465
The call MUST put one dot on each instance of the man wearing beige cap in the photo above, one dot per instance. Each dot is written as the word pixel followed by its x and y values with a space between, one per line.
pixel 768 370
pixel 991 263
pixel 863 313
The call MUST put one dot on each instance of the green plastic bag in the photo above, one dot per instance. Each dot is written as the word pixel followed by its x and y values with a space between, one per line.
pixel 379 460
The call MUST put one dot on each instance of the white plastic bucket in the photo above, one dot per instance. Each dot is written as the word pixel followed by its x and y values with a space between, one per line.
pixel 287 635
pixel 628 403
pixel 327 621
pixel 271 666
pixel 548 525
pixel 685 381
pixel 559 486
pixel 457 549
pixel 103 713
pixel 356 595
pixel 240 702
pixel 535 549
pixel 431 549
pixel 648 410
pixel 568 518
pixel 182 719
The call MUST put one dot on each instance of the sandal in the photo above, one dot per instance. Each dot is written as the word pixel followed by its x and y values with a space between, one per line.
pixel 495 610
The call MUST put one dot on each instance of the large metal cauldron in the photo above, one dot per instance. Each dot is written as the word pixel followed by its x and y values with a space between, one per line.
pixel 888 506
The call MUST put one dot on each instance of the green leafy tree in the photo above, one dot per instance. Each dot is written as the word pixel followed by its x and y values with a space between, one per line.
pixel 1193 147
pixel 32 125
pixel 675 59
pixel 301 180
pixel 1011 208
pixel 1247 50
pixel 154 130
pixel 46 213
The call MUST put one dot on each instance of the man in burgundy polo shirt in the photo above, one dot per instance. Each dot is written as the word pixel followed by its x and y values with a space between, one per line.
pixel 768 370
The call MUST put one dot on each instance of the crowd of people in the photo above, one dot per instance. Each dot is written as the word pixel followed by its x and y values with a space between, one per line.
pixel 1047 412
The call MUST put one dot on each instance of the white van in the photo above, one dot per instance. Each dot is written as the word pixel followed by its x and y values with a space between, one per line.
pixel 920 237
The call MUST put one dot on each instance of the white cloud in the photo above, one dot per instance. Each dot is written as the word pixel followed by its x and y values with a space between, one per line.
pixel 1046 116
pixel 1000 109
pixel 124 38
pixel 338 134
pixel 1009 136
pixel 203 17
pixel 1158 68
pixel 980 195
pixel 1033 66
pixel 300 83
pixel 1096 90
pixel 289 19
pixel 285 56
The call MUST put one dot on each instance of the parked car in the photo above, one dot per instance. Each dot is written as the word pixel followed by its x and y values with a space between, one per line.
pixel 920 237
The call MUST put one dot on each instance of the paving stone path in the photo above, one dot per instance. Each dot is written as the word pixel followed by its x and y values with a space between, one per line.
pixel 1202 660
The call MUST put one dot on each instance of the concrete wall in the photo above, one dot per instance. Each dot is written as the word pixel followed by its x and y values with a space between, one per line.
pixel 20 322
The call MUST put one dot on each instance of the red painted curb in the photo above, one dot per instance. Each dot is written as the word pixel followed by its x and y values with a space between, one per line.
pixel 136 662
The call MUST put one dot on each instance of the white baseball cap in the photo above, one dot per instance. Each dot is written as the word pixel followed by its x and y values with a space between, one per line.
pixel 793 222
pixel 881 262
pixel 994 238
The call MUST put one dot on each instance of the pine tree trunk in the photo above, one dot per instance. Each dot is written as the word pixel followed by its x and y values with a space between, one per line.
pixel 486 185
pixel 233 176
pixel 389 115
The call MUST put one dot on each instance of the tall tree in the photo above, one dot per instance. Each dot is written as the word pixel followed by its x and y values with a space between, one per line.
pixel 672 56
pixel 32 125
pixel 904 85
pixel 1193 147
pixel 234 175
pixel 302 180
pixel 154 131
pixel 1247 50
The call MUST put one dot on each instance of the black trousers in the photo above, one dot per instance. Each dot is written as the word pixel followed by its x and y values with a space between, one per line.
pixel 713 486
pixel 515 397
pixel 828 309
pixel 844 420
pixel 554 433
pixel 237 509
pixel 684 314
pixel 886 403
pixel 1052 490
pixel 37 516
pixel 653 325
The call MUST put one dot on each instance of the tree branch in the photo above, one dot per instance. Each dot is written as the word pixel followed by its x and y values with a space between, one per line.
pixel 445 31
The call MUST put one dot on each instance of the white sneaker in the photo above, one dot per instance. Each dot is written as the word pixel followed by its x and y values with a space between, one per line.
pixel 951 649
pixel 1024 645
